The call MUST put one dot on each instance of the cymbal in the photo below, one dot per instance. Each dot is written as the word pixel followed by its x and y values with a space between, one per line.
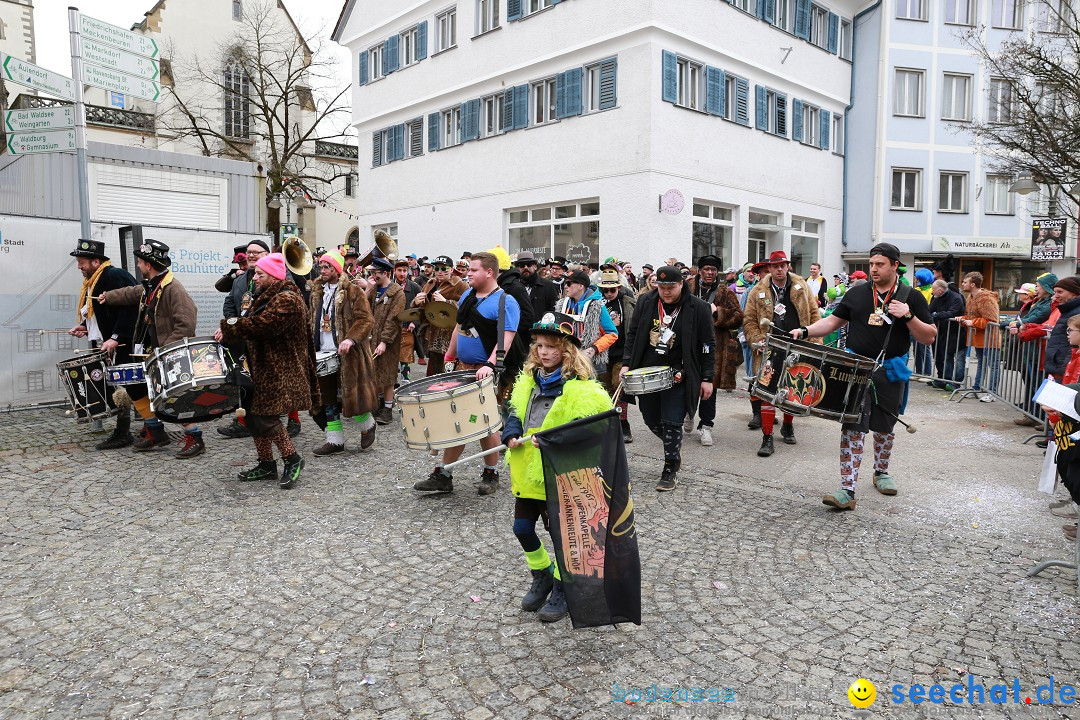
pixel 413 314
pixel 442 315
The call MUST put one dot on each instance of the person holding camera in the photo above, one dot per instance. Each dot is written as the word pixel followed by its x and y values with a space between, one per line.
pixel 671 327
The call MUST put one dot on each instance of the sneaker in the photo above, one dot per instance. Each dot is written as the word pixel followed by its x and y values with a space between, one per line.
pixel 987 398
pixel 688 424
pixel 885 483
pixel 367 438
pixel 555 609
pixel 543 581
pixel 787 433
pixel 1066 511
pixel 328 448
pixel 1025 421
pixel 668 480
pixel 234 430
pixel 193 447
pixel 706 436
pixel 291 472
pixel 1060 503
pixel 766 448
pixel 841 500
pixel 384 416
pixel 437 481
pixel 293 427
pixel 489 482
pixel 263 471
pixel 627 435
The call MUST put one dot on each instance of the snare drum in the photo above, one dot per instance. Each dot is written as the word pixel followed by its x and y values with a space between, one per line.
pixel 125 374
pixel 327 362
pixel 188 381
pixel 643 381
pixel 804 378
pixel 448 410
pixel 84 379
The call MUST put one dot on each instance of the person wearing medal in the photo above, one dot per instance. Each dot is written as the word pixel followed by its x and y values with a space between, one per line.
pixel 671 327
pixel 883 316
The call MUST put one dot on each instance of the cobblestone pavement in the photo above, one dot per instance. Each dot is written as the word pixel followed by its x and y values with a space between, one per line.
pixel 142 586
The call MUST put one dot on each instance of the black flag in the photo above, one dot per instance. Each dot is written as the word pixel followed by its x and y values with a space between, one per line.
pixel 592 520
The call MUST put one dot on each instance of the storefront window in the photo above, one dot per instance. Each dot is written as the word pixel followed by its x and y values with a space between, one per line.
pixel 578 242
pixel 1011 274
pixel 756 245
pixel 536 240
pixel 713 232
pixel 552 230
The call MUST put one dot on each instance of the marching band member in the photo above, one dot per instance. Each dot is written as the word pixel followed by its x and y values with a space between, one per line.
pixel 387 301
pixel 445 286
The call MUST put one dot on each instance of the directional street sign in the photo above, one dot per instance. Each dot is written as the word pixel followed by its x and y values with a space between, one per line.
pixel 21 72
pixel 118 37
pixel 109 57
pixel 28 121
pixel 121 82
pixel 41 142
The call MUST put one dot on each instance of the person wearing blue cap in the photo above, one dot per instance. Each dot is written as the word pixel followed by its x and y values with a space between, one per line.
pixel 924 363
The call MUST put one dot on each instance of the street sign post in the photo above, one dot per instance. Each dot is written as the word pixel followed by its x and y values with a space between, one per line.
pixel 117 37
pixel 34 120
pixel 41 142
pixel 109 57
pixel 120 82
pixel 30 75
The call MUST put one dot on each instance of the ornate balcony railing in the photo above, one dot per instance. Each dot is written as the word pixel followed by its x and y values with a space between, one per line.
pixel 95 114
pixel 337 150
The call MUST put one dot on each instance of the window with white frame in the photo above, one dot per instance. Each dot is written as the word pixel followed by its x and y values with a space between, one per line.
pixel 837 139
pixel 410 46
pixel 237 101
pixel 446 29
pixel 785 15
pixel 1000 109
pixel 380 147
pixel 906 189
pixel 730 90
pixel 819 27
pixel 414 138
pixel 350 185
pixel 911 9
pixel 375 62
pixel 743 5
pixel 534 6
pixel 952 192
pixel 1053 15
pixel 844 44
pixel 908 92
pixel 1007 14
pixel 492 118
pixel 998 199
pixel 450 124
pixel 713 231
pixel 570 230
pixel 544 101
pixel 805 243
pixel 390 229
pixel 775 113
pixel 956 96
pixel 690 79
pixel 237 10
pixel 959 12
pixel 487 15
pixel 1047 101
pixel 811 125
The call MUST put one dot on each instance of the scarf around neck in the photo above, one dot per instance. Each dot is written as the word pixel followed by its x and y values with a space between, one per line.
pixel 549 382
pixel 87 288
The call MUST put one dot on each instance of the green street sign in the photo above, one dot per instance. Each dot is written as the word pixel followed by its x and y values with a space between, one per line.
pixel 121 82
pixel 19 121
pixel 30 75
pixel 41 142
pixel 109 57
pixel 118 37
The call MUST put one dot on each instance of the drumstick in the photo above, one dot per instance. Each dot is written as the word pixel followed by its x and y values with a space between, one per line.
pixel 482 453
pixel 894 416
pixel 615 397
pixel 52 332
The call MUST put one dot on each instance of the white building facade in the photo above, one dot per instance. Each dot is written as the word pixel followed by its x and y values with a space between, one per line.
pixel 594 128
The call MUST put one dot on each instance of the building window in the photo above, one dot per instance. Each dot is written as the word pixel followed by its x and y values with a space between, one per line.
pixel 410 46
pixel 845 39
pixel 390 229
pixel 908 96
pixel 743 5
pixel 35 381
pixel 33 340
pixel 819 27
pixel 1053 15
pixel 713 231
pixel 1048 104
pixel 60 302
pixel 959 12
pixel 350 185
pixel 571 230
pixel 689 88
pixel 375 61
pixel 601 92
pixel 414 138
pixel 544 101
pixel 837 134
pixel 487 15
pixel 911 9
pixel 1001 101
pixel 805 241
pixel 237 101
pixel 450 122
pixel 771 111
pixel 237 10
pixel 956 97
pixel 1007 14
pixel 905 189
pixel 785 15
pixel 999 201
pixel 491 121
pixel 811 125
pixel 535 6
pixel 380 147
pixel 446 30
pixel 952 192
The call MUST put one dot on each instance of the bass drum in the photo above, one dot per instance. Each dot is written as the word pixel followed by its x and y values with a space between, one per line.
pixel 448 410
pixel 189 381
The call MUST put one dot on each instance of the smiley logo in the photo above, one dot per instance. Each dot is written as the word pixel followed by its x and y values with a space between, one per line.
pixel 862 693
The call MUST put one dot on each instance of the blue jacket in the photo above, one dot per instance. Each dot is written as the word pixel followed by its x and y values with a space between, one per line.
pixel 593 293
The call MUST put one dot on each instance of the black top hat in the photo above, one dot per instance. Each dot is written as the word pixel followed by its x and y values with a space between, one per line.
pixel 557 324
pixel 154 252
pixel 90 249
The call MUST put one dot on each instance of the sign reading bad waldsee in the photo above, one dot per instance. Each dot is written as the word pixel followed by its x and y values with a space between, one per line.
pixel 118 37
pixel 17 121
pixel 1048 238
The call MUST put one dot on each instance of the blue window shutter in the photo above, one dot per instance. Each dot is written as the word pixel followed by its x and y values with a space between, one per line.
pixel 723 93
pixel 712 90
pixel 421 41
pixel 770 11
pixel 796 120
pixel 391 54
pixel 521 106
pixel 391 148
pixel 376 148
pixel 802 19
pixel 670 77
pixel 781 115
pixel 572 96
pixel 513 10
pixel 759 9
pixel 560 95
pixel 362 75
pixel 463 113
pixel 742 101
pixel 761 107
pixel 608 83
pixel 834 32
pixel 470 120
pixel 399 141
pixel 387 68
pixel 508 110
pixel 433 131
pixel 826 126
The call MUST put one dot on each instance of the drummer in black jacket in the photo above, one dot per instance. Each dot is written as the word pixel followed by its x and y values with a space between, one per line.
pixel 671 327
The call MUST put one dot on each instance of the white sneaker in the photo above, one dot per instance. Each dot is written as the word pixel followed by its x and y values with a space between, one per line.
pixel 706 435
pixel 987 398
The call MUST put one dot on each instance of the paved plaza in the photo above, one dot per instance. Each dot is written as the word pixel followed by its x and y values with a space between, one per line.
pixel 138 586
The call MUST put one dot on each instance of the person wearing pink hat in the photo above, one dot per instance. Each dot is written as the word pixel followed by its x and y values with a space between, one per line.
pixel 281 360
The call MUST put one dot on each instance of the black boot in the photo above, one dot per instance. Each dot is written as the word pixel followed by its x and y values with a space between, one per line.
pixel 121 436
pixel 787 433
pixel 627 436
pixel 766 448
pixel 555 609
pixel 755 422
pixel 543 580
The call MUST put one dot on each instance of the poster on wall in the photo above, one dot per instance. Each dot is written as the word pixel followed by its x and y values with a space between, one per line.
pixel 1048 238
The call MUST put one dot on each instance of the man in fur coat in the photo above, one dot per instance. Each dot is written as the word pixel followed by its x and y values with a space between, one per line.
pixel 387 301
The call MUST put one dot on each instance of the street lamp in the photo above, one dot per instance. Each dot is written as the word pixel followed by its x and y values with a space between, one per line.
pixel 1024 185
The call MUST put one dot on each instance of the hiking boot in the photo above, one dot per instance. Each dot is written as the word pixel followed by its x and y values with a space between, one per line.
pixel 367 438
pixel 766 448
pixel 543 580
pixel 555 609
pixel 121 436
pixel 787 433
pixel 151 438
pixel 841 500
pixel 884 483
pixel 290 473
pixel 627 435
pixel 1025 421
pixel 384 416
pixel 437 481
pixel 755 422
pixel 193 446
pixel 489 482
pixel 293 427
pixel 706 436
pixel 328 448
pixel 234 430
pixel 1065 511
pixel 669 478
pixel 265 470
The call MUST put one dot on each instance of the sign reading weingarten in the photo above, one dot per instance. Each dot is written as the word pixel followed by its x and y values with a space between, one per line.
pixel 1048 238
